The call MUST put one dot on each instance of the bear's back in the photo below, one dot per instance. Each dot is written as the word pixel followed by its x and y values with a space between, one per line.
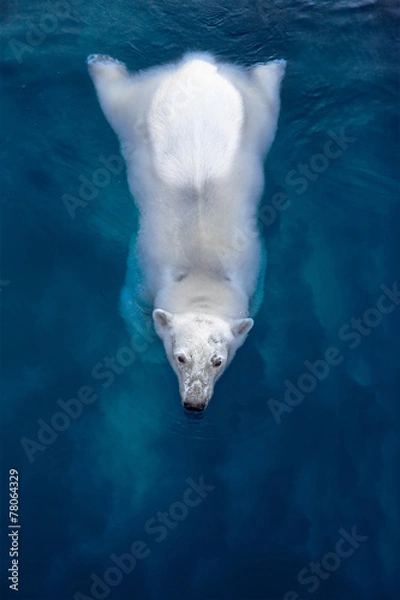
pixel 195 122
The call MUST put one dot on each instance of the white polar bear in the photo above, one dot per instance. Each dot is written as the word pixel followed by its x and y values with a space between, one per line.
pixel 194 135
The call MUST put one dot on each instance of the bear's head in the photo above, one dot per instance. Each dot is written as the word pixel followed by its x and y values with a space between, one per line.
pixel 199 347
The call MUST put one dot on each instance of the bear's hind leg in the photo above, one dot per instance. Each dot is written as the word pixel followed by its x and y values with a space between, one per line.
pixel 269 77
pixel 115 88
pixel 104 68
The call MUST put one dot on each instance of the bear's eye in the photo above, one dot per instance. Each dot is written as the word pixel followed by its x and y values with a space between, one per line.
pixel 217 362
pixel 181 359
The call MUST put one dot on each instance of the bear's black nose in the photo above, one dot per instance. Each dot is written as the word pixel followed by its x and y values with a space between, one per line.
pixel 193 407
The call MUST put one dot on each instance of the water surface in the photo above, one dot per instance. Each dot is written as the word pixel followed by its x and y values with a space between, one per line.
pixel 282 492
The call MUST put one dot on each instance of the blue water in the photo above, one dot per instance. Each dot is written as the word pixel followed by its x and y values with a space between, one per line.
pixel 284 485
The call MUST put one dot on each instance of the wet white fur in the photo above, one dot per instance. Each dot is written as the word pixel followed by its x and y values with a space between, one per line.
pixel 194 135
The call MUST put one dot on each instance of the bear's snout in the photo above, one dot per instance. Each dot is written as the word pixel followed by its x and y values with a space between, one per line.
pixel 196 397
pixel 194 406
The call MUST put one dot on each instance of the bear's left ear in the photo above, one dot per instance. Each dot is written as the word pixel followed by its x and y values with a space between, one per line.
pixel 162 318
pixel 242 327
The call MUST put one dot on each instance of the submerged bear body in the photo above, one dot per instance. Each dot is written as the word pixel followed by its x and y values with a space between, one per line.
pixel 194 137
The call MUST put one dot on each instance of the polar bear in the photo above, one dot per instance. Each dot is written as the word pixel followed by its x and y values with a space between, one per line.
pixel 194 135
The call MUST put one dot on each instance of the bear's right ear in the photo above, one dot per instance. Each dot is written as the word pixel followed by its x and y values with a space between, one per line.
pixel 162 318
pixel 241 327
